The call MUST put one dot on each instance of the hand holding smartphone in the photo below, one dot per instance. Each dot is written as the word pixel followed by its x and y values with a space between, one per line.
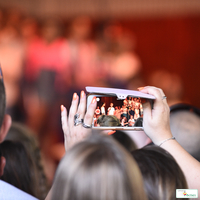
pixel 117 109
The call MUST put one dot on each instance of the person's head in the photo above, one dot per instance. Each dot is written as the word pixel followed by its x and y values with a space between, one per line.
pixel 139 122
pixel 125 140
pixel 81 27
pixel 111 104
pixel 124 117
pixel 19 168
pixel 161 174
pixel 98 168
pixel 20 133
pixel 51 29
pixel 185 126
pixel 108 120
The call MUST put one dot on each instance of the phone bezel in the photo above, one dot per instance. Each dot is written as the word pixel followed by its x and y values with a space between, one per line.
pixel 132 128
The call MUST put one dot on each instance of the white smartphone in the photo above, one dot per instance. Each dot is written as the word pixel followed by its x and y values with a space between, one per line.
pixel 117 109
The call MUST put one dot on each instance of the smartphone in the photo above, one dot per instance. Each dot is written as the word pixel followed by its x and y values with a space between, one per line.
pixel 117 109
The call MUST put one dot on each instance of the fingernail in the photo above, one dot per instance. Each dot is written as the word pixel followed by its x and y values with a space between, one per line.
pixel 74 96
pixel 62 108
pixel 94 100
pixel 140 88
pixel 82 94
pixel 111 132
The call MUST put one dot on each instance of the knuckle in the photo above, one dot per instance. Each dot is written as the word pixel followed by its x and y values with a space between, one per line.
pixel 71 115
pixel 88 117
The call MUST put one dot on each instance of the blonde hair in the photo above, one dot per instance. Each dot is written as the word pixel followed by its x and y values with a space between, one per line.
pixel 98 168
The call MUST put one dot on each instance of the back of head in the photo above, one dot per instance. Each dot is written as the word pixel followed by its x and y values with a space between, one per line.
pixel 98 168
pixel 161 174
pixel 108 120
pixel 19 167
pixel 125 140
pixel 185 126
pixel 20 133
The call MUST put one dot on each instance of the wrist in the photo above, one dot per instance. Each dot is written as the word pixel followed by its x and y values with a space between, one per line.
pixel 161 139
pixel 166 140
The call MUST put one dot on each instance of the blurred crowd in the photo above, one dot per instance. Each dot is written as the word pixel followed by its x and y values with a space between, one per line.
pixel 44 61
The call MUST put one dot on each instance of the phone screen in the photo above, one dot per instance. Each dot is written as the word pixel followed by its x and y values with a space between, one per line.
pixel 120 113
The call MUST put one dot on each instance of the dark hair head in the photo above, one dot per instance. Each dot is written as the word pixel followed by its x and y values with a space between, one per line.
pixel 20 133
pixel 98 168
pixel 161 174
pixel 125 140
pixel 19 167
pixel 139 122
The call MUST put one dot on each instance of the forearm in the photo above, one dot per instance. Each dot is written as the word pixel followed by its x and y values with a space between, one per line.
pixel 189 165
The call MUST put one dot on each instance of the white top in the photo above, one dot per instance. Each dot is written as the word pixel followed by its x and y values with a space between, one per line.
pixel 111 111
pixel 103 111
pixel 9 192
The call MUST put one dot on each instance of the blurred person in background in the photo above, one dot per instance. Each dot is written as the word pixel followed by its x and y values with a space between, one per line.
pixel 46 70
pixel 116 53
pixel 12 54
pixel 185 126
pixel 82 53
pixel 117 112
pixel 45 61
pixel 170 83
pixel 29 30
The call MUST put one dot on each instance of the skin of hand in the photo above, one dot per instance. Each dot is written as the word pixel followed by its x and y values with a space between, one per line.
pixel 73 134
pixel 156 121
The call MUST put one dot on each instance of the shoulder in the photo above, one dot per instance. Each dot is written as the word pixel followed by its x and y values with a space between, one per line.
pixel 8 192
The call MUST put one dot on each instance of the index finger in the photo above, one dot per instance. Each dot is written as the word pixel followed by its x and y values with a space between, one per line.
pixel 90 112
pixel 157 92
pixel 73 110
